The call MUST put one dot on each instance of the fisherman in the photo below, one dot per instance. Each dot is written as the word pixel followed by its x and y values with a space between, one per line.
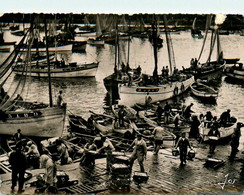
pixel 108 148
pixel 18 136
pixel 33 155
pixel 63 152
pixel 167 71
pixel 208 117
pixel 139 152
pixel 176 120
pixel 163 72
pixel 187 111
pixel 194 132
pixel 235 140
pixel 18 98
pixel 183 143
pixel 214 132
pixel 148 101
pixel 122 113
pixel 225 117
pixel 60 99
pixel 49 163
pixel 18 162
pixel 167 110
pixel 138 69
pixel 159 111
pixel 158 139
pixel 62 63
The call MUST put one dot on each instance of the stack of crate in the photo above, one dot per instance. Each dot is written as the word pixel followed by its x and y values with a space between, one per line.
pixel 120 172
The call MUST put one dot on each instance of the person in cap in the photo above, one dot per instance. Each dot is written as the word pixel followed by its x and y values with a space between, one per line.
pixel 208 118
pixel 108 148
pixel 33 154
pixel 60 99
pixel 225 117
pixel 122 113
pixel 235 140
pixel 48 162
pixel 18 162
pixel 167 110
pixel 139 151
pixel 183 144
pixel 159 111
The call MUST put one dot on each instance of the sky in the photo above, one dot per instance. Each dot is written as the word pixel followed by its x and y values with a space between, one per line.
pixel 123 6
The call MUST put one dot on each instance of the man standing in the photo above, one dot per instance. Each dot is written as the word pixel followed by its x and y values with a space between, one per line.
pixel 214 135
pixel 235 140
pixel 183 143
pixel 122 114
pixel 158 138
pixel 159 111
pixel 33 154
pixel 63 152
pixel 139 152
pixel 225 117
pixel 60 99
pixel 18 162
pixel 187 111
pixel 18 136
pixel 167 109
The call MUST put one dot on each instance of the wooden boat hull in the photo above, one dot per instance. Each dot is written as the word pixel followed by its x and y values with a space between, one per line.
pixel 130 96
pixel 234 72
pixel 85 70
pixel 46 122
pixel 203 91
pixel 225 132
pixel 95 42
pixel 53 49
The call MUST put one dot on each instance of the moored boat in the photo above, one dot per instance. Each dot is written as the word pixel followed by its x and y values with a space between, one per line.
pixel 203 91
pixel 235 71
pixel 72 70
pixel 225 130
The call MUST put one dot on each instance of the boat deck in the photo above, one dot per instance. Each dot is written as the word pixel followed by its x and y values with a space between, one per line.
pixel 165 175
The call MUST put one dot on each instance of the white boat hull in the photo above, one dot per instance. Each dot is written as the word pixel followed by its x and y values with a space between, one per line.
pixel 130 96
pixel 85 70
pixel 224 131
pixel 49 123
pixel 208 93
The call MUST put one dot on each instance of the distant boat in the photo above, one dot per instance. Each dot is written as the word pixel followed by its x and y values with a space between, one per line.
pixel 60 48
pixel 203 91
pixel 97 41
pixel 196 33
pixel 72 70
pixel 5 46
pixel 235 71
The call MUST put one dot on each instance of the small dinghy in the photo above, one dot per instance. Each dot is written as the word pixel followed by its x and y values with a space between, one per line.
pixel 203 91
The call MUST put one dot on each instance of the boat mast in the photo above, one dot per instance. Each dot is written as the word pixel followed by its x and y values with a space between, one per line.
pixel 155 50
pixel 48 64
pixel 116 52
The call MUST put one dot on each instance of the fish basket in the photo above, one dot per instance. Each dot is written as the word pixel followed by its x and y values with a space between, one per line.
pixel 191 154
pixel 175 152
pixel 140 177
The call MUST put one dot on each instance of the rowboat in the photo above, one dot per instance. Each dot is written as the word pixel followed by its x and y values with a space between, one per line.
pixel 203 91
pixel 225 131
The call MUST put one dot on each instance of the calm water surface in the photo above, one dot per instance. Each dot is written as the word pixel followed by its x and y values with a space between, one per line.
pixel 86 94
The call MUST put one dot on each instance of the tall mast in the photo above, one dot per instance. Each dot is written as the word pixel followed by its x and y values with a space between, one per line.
pixel 155 50
pixel 48 64
pixel 116 52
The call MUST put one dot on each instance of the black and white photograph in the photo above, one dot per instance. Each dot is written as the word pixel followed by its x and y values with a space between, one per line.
pixel 122 97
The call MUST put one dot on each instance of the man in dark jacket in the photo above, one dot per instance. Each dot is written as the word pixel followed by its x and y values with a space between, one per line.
pixel 183 143
pixel 235 140
pixel 18 162
pixel 225 117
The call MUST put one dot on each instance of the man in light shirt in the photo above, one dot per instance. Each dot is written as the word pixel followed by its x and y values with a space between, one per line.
pixel 158 138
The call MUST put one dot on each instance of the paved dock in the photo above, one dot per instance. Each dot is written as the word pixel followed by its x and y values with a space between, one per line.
pixel 165 175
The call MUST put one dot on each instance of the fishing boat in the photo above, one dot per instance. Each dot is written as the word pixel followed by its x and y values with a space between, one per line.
pixel 211 69
pixel 196 33
pixel 71 70
pixel 235 71
pixel 225 131
pixel 34 119
pixel 156 88
pixel 107 124
pixel 203 91
pixel 97 40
